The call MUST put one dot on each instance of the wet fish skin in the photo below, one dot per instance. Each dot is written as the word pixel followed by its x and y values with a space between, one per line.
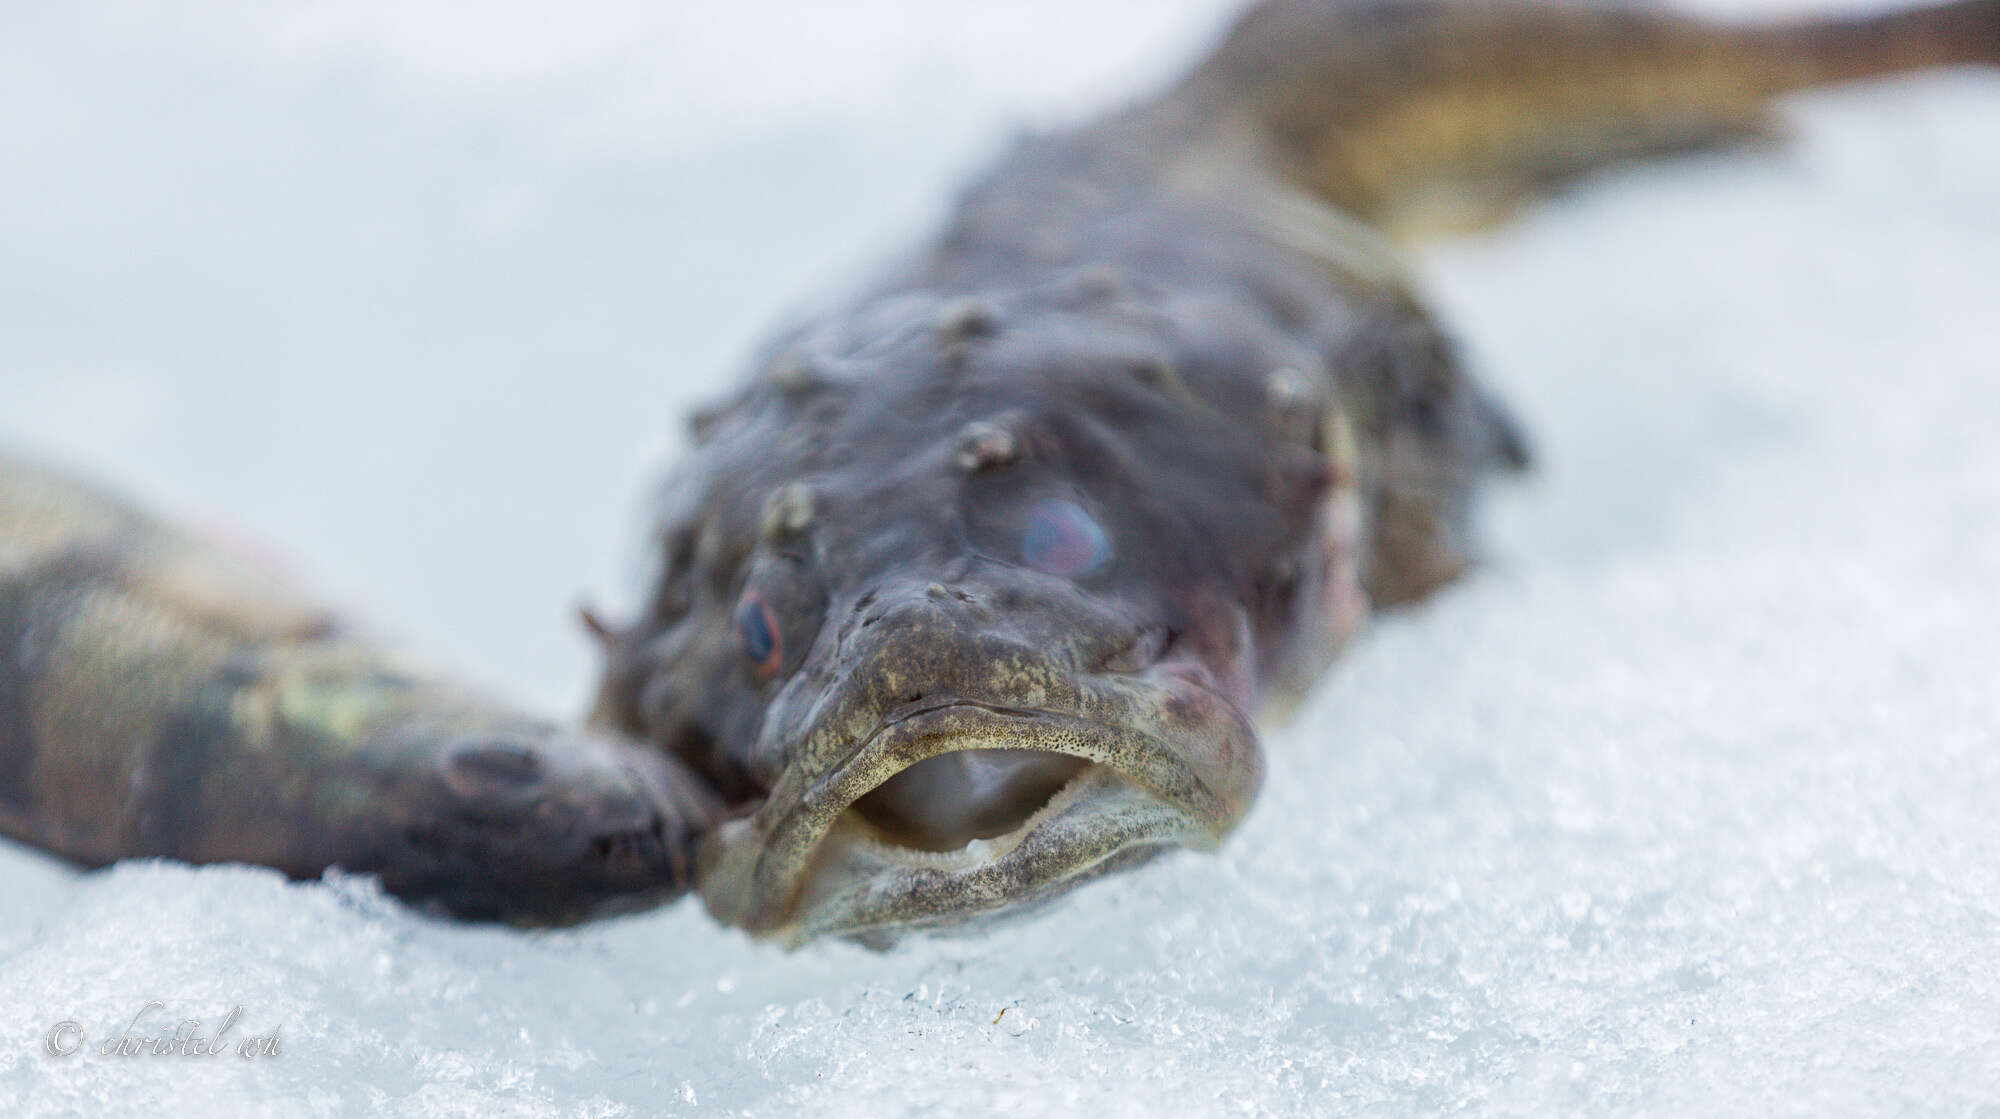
pixel 1187 330
pixel 159 697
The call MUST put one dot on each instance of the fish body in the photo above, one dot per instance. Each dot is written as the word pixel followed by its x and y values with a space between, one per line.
pixel 975 589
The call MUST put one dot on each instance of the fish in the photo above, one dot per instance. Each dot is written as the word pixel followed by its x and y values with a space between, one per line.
pixel 977 587
pixel 163 694
pixel 980 584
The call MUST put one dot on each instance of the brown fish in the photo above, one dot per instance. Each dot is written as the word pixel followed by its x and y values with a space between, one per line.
pixel 971 592
pixel 160 697
pixel 974 588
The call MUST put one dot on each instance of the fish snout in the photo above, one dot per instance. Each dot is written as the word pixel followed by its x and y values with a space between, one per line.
pixel 1022 642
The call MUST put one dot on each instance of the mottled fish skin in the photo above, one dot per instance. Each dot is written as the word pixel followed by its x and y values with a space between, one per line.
pixel 969 593
pixel 159 697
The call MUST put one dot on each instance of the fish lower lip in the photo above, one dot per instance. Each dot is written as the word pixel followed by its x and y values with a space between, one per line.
pixel 860 883
pixel 808 865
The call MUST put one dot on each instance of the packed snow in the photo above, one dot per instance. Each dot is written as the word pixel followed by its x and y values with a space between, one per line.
pixel 1686 804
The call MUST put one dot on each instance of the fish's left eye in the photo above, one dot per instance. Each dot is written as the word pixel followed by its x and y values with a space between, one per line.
pixel 757 627
pixel 1062 539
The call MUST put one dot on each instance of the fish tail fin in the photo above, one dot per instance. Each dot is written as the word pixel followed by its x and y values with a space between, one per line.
pixel 1416 114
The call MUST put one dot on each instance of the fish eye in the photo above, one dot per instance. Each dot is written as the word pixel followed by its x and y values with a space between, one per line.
pixel 757 627
pixel 1062 539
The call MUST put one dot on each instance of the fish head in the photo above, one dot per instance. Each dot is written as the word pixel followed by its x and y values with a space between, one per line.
pixel 464 807
pixel 956 650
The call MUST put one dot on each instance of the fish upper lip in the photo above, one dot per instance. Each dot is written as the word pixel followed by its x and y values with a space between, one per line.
pixel 787 834
pixel 1190 793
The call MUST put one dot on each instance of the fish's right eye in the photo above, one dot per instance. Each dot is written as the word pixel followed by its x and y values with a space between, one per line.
pixel 757 628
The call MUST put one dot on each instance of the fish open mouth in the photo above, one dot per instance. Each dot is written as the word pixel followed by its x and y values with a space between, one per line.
pixel 947 802
pixel 881 843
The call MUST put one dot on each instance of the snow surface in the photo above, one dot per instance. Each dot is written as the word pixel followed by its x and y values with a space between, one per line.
pixel 1687 805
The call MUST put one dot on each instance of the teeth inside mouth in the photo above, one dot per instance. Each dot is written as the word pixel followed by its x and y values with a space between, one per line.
pixel 950 801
